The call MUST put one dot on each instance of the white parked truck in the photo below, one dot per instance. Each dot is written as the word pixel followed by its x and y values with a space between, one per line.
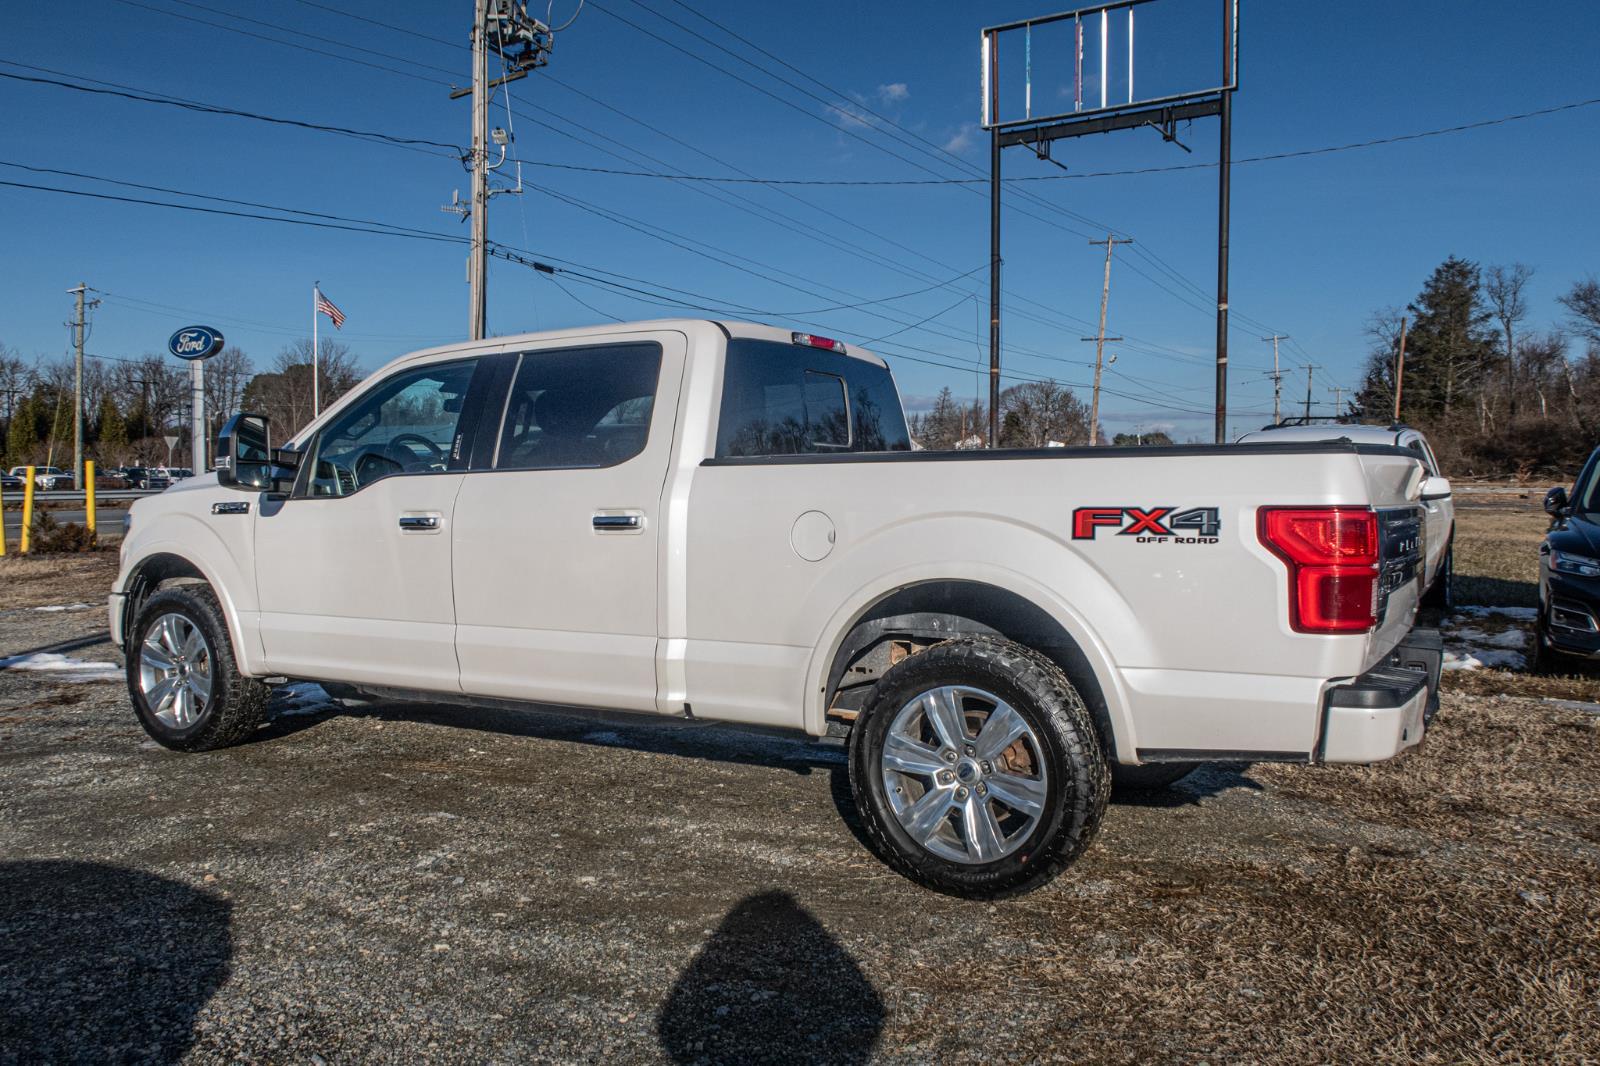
pixel 716 520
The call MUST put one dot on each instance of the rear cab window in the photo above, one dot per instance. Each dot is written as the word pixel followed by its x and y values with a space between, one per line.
pixel 783 399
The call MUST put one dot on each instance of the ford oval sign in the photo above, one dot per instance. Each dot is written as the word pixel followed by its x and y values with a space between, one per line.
pixel 195 342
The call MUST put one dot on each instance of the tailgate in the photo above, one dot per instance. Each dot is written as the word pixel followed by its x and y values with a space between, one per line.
pixel 1394 487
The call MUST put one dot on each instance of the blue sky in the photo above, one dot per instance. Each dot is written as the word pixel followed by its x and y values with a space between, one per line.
pixel 1317 243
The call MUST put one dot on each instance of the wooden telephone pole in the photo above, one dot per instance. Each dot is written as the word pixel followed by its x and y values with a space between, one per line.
pixel 1099 339
pixel 1400 370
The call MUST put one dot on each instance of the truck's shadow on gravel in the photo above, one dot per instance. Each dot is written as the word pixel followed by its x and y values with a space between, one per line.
pixel 771 985
pixel 103 964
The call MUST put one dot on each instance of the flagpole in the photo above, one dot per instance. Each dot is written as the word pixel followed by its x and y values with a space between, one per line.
pixel 316 398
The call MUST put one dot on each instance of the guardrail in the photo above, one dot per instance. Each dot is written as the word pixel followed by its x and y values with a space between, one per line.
pixel 70 496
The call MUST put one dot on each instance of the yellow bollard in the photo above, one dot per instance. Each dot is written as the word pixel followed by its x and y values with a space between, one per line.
pixel 27 506
pixel 88 493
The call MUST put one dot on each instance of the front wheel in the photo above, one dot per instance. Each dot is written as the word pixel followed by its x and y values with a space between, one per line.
pixel 182 675
pixel 977 769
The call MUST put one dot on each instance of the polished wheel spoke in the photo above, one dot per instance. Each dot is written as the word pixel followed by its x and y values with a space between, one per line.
pixel 924 817
pixel 908 756
pixel 1025 795
pixel 943 708
pixel 154 655
pixel 193 644
pixel 161 693
pixel 985 841
pixel 200 684
pixel 999 732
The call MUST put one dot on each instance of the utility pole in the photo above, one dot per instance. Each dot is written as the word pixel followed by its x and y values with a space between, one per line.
pixel 522 43
pixel 994 285
pixel 1276 375
pixel 1338 401
pixel 77 383
pixel 1110 242
pixel 1400 370
pixel 1310 369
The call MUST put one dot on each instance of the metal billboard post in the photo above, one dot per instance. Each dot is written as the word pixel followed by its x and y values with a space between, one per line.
pixel 1161 112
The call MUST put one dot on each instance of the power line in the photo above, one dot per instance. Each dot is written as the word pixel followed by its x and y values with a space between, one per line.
pixel 128 93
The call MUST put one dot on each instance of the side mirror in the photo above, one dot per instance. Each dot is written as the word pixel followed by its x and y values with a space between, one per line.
pixel 1555 502
pixel 1435 488
pixel 244 454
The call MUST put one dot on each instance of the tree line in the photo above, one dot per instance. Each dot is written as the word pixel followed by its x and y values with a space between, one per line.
pixel 1495 395
pixel 132 405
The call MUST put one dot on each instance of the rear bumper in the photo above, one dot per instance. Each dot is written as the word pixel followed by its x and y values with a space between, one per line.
pixel 1386 710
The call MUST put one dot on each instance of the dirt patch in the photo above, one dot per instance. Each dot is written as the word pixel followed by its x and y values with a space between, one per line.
pixel 56 580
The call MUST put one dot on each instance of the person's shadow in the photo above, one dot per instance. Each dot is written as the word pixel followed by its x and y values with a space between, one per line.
pixel 771 985
pixel 103 964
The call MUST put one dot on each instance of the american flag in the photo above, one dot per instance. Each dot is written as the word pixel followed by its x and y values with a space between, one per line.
pixel 325 306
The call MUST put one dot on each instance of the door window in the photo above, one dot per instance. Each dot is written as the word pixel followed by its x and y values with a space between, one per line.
pixel 579 407
pixel 409 424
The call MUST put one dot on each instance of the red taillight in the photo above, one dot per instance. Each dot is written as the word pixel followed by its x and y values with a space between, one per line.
pixel 811 340
pixel 1332 554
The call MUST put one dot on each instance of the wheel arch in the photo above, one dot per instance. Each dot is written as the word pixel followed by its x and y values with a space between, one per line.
pixel 936 609
pixel 165 565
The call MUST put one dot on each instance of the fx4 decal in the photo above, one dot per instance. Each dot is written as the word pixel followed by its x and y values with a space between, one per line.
pixel 1154 525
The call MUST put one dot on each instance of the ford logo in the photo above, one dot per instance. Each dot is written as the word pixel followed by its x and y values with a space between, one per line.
pixel 195 342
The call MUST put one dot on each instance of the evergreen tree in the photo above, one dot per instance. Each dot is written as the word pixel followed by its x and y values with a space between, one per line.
pixel 1449 346
pixel 112 430
pixel 23 436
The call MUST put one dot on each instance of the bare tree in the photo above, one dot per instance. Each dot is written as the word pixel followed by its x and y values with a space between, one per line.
pixel 1582 302
pixel 227 373
pixel 1504 288
pixel 1038 413
pixel 284 393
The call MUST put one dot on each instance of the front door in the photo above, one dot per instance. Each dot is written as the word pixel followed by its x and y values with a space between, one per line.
pixel 557 535
pixel 353 570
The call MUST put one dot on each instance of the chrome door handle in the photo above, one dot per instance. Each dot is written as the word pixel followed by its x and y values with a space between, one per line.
pixel 619 522
pixel 419 523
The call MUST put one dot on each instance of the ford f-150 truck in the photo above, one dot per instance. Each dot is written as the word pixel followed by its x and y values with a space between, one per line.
pixel 716 520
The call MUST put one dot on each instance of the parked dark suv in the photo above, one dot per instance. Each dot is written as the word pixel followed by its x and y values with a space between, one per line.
pixel 1569 568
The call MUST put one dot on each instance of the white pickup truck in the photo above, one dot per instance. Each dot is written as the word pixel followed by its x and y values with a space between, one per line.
pixel 716 520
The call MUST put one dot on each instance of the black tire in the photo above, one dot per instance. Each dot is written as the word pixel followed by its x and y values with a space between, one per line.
pixel 236 706
pixel 1441 595
pixel 1151 777
pixel 1077 782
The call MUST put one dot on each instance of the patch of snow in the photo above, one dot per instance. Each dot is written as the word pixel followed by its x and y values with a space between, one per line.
pixel 1574 705
pixel 1522 614
pixel 68 607
pixel 64 668
pixel 1484 658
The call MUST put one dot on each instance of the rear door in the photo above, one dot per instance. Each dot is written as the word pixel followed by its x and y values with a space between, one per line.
pixel 558 527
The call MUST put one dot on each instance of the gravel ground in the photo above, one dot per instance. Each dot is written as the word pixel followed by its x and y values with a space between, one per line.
pixel 421 883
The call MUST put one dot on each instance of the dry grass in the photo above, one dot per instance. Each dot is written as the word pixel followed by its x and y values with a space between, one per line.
pixel 42 580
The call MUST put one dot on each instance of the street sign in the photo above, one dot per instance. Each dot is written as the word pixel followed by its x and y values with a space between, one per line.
pixel 195 342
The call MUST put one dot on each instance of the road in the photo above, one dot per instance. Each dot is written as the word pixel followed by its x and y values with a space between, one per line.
pixel 108 519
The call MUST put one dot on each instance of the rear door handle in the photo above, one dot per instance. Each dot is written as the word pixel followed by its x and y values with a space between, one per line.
pixel 420 523
pixel 618 521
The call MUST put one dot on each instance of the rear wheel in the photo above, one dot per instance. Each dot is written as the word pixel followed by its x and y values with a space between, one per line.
pixel 182 675
pixel 977 769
